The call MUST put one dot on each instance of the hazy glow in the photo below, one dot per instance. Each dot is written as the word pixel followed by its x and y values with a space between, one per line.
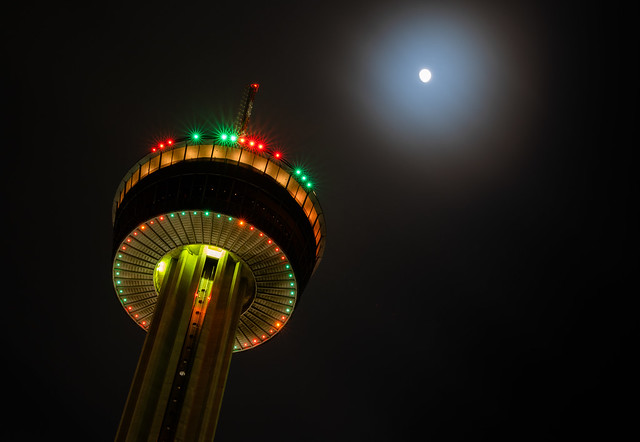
pixel 425 75
pixel 483 70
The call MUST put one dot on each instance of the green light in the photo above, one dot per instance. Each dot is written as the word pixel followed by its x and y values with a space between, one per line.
pixel 183 213
pixel 287 266
pixel 224 136
pixel 304 178
pixel 290 275
pixel 288 310
pixel 173 215
pixel 124 300
pixel 308 184
pixel 233 138
pixel 230 219
pixel 298 171
pixel 195 136
pixel 218 215
pixel 206 213
pixel 195 213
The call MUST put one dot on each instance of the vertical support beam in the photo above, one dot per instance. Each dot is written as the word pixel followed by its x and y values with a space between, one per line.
pixel 151 413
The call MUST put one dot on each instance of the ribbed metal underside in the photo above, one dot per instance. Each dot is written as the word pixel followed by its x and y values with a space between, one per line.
pixel 141 251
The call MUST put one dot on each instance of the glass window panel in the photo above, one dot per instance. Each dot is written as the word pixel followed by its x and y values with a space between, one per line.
pixel 192 152
pixel 178 155
pixel 233 154
pixel 301 195
pixel 153 163
pixel 144 170
pixel 313 215
pixel 205 151
pixel 292 187
pixel 219 152
pixel 247 157
pixel 308 205
pixel 272 169
pixel 259 163
pixel 134 178
pixel 165 159
pixel 283 177
pixel 127 186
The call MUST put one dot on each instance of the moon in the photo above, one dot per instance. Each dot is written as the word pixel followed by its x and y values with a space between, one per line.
pixel 425 75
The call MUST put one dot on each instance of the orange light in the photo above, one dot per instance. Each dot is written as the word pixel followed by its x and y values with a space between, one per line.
pixel 278 324
pixel 241 140
pixel 142 227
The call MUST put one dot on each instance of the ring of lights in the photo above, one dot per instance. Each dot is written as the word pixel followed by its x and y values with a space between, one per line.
pixel 144 247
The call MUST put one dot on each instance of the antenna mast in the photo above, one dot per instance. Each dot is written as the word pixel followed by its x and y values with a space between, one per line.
pixel 246 106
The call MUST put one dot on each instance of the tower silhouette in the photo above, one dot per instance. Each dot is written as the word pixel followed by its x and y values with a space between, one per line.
pixel 215 238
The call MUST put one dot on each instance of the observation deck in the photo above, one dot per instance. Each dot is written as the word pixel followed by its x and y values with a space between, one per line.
pixel 228 194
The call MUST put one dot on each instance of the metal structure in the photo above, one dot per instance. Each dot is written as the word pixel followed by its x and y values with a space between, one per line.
pixel 215 238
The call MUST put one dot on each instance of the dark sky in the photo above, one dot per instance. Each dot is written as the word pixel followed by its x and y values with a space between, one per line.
pixel 481 228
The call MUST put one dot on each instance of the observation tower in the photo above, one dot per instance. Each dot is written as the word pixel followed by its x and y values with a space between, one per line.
pixel 215 238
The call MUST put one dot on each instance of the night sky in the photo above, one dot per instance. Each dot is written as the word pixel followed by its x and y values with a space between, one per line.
pixel 481 228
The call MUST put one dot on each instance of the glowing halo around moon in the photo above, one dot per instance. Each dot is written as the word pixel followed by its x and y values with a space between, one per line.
pixel 425 75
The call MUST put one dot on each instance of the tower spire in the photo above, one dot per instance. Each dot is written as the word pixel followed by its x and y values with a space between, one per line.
pixel 246 106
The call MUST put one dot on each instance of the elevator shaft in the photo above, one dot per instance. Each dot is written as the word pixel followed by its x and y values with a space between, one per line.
pixel 177 390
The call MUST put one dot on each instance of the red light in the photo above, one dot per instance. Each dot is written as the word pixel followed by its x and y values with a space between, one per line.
pixel 161 218
pixel 255 85
pixel 277 154
pixel 153 149
pixel 260 146
pixel 169 142
pixel 241 140
pixel 161 146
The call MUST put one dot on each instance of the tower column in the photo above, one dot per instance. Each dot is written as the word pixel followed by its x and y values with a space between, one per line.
pixel 177 390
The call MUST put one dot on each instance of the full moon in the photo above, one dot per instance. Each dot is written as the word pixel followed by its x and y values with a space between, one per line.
pixel 425 75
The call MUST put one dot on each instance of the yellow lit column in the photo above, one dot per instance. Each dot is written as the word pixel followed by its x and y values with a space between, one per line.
pixel 177 390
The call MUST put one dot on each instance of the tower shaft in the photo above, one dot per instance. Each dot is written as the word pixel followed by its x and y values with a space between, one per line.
pixel 177 390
